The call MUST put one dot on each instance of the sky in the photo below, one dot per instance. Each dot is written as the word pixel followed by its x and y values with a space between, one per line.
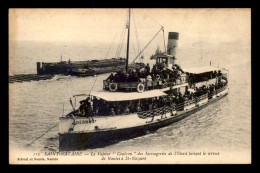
pixel 103 25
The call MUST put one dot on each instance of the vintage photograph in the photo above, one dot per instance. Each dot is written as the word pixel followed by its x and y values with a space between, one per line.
pixel 130 86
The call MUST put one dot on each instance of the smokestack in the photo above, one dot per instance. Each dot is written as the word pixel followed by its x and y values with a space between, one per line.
pixel 173 38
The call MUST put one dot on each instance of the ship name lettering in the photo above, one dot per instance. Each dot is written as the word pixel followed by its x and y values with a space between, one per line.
pixel 124 154
pixel 83 122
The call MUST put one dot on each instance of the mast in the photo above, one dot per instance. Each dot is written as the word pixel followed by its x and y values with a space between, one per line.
pixel 128 35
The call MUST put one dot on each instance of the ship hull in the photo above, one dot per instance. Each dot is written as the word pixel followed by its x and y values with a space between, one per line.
pixel 79 141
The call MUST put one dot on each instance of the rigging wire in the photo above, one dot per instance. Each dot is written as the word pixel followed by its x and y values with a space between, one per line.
pixel 43 134
pixel 121 37
pixel 134 48
pixel 110 46
pixel 93 84
pixel 164 42
pixel 137 38
pixel 146 45
pixel 138 43
pixel 121 44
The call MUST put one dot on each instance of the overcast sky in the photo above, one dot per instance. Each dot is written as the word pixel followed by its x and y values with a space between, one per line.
pixel 101 25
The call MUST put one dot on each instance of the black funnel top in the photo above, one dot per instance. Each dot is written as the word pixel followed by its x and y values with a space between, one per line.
pixel 173 35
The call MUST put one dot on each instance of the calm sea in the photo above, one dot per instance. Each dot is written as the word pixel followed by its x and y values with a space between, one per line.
pixel 36 106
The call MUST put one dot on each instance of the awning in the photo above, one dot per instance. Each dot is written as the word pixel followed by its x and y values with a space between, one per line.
pixel 198 70
pixel 124 96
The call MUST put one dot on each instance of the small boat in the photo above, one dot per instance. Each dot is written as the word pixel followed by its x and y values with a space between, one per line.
pixel 82 72
pixel 134 103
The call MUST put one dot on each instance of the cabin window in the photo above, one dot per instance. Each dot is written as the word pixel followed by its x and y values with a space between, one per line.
pixel 162 60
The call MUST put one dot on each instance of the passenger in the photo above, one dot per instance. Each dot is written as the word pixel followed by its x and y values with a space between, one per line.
pixel 98 111
pixel 161 102
pixel 100 103
pixel 127 78
pixel 164 65
pixel 111 77
pixel 134 107
pixel 142 74
pixel 135 77
pixel 116 79
pixel 87 107
pixel 157 77
pixel 167 101
pixel 147 69
pixel 109 107
pixel 122 76
pixel 154 105
pixel 117 111
pixel 145 106
pixel 112 112
pixel 142 105
pixel 219 73
pixel 127 111
pixel 81 108
pixel 131 77
pixel 102 108
pixel 138 72
pixel 138 108
pixel 154 69
pixel 95 105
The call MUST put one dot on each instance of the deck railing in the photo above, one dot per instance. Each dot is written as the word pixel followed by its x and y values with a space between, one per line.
pixel 173 107
pixel 153 112
pixel 221 89
pixel 202 97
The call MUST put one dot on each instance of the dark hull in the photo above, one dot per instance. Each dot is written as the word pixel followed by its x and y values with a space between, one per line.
pixel 78 141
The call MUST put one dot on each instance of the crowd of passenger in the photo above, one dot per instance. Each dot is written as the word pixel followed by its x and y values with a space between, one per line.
pixel 99 107
pixel 157 72
pixel 194 78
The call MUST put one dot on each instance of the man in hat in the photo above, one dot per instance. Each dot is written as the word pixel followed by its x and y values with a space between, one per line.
pixel 112 77
pixel 147 69
pixel 81 108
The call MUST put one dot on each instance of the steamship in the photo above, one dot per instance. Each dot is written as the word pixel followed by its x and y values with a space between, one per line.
pixel 134 103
